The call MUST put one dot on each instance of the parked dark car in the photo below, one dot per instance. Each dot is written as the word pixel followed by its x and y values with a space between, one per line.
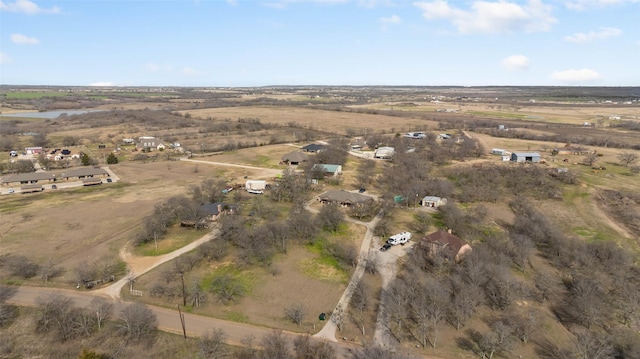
pixel 109 180
pixel 361 190
pixel 53 186
pixel 385 247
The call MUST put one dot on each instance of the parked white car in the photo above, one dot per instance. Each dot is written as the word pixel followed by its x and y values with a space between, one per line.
pixel 400 238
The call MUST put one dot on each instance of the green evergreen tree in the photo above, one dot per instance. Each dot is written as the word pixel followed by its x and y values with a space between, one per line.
pixel 112 159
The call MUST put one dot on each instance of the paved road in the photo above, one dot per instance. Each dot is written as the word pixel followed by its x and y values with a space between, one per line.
pixel 169 320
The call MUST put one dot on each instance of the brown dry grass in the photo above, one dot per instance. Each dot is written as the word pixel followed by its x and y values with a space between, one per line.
pixel 330 121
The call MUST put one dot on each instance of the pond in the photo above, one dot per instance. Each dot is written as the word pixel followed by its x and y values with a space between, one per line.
pixel 46 114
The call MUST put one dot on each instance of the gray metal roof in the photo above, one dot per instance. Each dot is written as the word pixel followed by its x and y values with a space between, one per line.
pixel 84 171
pixel 28 177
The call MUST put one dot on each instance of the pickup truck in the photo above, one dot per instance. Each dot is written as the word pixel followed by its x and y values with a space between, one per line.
pixel 400 238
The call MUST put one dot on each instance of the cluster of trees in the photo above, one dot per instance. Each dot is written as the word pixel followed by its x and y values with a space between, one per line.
pixel 101 270
pixel 182 208
pixel 593 139
pixel 493 183
pixel 18 266
pixel 591 288
pixel 19 166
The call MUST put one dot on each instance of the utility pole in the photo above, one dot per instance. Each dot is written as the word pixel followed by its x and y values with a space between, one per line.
pixel 184 330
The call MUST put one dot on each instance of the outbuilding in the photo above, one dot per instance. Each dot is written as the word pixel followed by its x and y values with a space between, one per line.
pixel 255 185
pixel 533 157
pixel 433 201
pixel 384 152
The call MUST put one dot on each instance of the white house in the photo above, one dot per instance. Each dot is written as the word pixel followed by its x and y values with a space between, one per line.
pixel 433 201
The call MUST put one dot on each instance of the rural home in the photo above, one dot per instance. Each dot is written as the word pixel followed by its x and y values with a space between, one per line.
pixel 314 148
pixel 128 141
pixel 520 157
pixel 333 170
pixel 498 151
pixel 24 178
pixel 213 211
pixel 85 172
pixel 433 201
pixel 442 242
pixel 384 152
pixel 149 142
pixel 294 158
pixel 344 198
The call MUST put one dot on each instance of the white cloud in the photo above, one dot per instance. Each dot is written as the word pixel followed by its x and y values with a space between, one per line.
pixel 23 39
pixel 601 34
pixel 393 19
pixel 153 67
pixel 26 7
pixel 101 84
pixel 576 76
pixel 516 62
pixel 189 71
pixel 491 17
pixel 5 59
pixel 581 5
pixel 232 2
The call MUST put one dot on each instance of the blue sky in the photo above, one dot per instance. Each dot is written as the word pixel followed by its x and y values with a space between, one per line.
pixel 320 42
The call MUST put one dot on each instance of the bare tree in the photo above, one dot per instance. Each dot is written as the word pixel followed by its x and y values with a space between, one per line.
pixel 295 313
pixel 330 217
pixel 628 158
pixel 102 309
pixel 137 322
pixel 227 288
pixel 49 270
pixel 275 346
pixel 306 349
pixel 213 345
pixel 19 266
pixel 55 313
pixel 7 312
pixel 590 160
pixel 337 317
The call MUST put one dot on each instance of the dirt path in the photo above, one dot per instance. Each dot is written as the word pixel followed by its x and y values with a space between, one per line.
pixel 137 266
pixel 328 332
pixel 268 171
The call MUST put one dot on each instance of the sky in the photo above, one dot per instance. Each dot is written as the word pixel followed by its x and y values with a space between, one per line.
pixel 245 43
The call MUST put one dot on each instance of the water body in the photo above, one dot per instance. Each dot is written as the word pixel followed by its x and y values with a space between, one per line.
pixel 46 114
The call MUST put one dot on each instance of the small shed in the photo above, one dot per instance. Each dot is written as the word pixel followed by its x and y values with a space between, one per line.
pixel 255 185
pixel 533 157
pixel 433 201
pixel 498 151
